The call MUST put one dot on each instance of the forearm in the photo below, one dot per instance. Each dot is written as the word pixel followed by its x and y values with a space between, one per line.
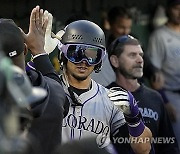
pixel 141 144
pixel 139 134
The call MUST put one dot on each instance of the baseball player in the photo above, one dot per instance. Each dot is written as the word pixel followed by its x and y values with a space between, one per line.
pixel 91 112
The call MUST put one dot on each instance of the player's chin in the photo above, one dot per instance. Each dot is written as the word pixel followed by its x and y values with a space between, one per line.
pixel 80 77
pixel 138 75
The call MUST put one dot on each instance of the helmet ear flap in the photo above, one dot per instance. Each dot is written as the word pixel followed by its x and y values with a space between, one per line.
pixel 62 59
pixel 97 68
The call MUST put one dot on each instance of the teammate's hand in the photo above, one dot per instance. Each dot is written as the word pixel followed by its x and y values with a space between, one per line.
pixel 124 100
pixel 171 111
pixel 157 80
pixel 35 39
pixel 50 43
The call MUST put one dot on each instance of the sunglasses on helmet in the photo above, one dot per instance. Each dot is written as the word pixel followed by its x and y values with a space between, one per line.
pixel 76 53
pixel 122 39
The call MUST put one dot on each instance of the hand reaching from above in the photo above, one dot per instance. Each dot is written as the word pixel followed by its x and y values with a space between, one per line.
pixel 35 39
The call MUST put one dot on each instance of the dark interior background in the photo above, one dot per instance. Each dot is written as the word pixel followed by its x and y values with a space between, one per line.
pixel 94 10
pixel 20 10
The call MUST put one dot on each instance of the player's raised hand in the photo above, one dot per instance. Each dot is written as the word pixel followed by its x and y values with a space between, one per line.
pixel 51 40
pixel 35 39
pixel 50 43
pixel 124 100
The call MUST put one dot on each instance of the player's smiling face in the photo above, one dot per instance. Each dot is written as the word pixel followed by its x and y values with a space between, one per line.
pixel 80 71
pixel 131 61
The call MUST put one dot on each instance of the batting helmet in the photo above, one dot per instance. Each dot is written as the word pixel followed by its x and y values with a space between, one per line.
pixel 85 32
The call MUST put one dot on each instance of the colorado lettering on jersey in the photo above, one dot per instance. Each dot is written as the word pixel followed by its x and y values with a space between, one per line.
pixel 97 127
pixel 149 113
pixel 82 123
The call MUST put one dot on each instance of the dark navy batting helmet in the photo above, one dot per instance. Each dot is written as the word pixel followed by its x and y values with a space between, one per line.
pixel 84 32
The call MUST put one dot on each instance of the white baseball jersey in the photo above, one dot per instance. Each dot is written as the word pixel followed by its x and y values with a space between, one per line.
pixel 96 117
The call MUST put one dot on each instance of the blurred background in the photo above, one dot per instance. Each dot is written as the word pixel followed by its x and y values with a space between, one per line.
pixel 95 10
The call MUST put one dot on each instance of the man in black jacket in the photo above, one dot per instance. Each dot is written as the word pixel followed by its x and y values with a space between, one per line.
pixel 126 58
pixel 48 114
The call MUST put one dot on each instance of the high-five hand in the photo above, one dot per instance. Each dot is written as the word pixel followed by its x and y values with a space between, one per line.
pixel 35 39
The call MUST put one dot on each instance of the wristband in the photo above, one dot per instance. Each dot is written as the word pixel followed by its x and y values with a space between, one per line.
pixel 135 124
pixel 30 66
pixel 136 129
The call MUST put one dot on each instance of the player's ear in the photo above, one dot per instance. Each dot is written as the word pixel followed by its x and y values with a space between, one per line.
pixel 114 61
